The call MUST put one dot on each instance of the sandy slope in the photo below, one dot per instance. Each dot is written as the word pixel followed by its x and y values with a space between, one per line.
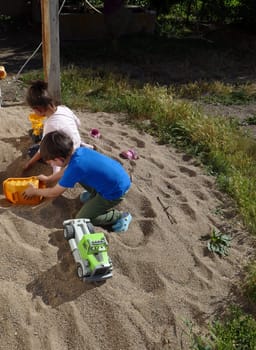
pixel 163 274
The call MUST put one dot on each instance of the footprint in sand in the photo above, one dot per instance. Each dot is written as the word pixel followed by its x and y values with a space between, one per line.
pixel 157 162
pixel 124 133
pixel 171 191
pixel 169 175
pixel 173 188
pixel 108 122
pixel 107 148
pixel 163 193
pixel 149 278
pixel 144 223
pixel 103 145
pixel 188 210
pixel 145 220
pixel 139 143
pixel 200 195
pixel 146 209
pixel 144 275
pixel 112 144
pixel 186 157
pixel 147 227
pixel 206 272
pixel 207 183
pixel 142 233
pixel 187 171
pixel 218 195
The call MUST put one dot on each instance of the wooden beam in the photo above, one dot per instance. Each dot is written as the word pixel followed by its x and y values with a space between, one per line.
pixel 51 46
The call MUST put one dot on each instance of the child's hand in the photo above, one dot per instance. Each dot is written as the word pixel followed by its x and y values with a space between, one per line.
pixel 29 192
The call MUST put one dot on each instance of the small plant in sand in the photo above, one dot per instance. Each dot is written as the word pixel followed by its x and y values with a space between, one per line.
pixel 219 243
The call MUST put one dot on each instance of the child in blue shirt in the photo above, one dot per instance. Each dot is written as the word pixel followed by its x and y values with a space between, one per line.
pixel 105 180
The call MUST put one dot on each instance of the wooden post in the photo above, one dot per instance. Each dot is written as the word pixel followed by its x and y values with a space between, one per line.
pixel 51 46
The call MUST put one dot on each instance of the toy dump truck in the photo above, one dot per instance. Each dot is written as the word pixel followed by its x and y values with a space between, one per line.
pixel 37 123
pixel 89 249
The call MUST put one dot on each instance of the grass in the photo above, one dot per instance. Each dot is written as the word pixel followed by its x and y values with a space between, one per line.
pixel 165 112
pixel 218 92
pixel 236 331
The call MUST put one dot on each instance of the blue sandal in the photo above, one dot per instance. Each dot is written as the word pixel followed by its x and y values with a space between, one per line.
pixel 123 223
pixel 84 196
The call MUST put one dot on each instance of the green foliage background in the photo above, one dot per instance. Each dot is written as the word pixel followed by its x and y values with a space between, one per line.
pixel 201 10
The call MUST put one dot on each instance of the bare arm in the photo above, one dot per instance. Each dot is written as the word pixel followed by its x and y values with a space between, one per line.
pixel 33 160
pixel 50 192
pixel 51 178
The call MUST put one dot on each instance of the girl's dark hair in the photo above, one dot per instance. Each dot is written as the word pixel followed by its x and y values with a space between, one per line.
pixel 38 95
pixel 56 144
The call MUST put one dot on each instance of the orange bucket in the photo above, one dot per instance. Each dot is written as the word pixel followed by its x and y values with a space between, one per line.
pixel 14 187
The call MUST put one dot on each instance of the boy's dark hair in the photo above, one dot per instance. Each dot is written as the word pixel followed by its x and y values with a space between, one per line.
pixel 56 144
pixel 38 95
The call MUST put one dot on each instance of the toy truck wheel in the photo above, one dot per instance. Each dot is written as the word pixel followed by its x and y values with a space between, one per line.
pixel 80 273
pixel 69 232
pixel 90 227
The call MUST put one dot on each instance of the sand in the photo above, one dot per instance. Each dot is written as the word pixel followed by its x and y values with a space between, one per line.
pixel 163 274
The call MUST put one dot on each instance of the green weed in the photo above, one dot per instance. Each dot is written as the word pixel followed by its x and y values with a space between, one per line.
pixel 236 331
pixel 219 243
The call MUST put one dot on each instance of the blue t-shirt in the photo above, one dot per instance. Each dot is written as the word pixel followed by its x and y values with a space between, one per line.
pixel 93 169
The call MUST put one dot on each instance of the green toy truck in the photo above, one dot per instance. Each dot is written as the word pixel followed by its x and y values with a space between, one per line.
pixel 89 249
